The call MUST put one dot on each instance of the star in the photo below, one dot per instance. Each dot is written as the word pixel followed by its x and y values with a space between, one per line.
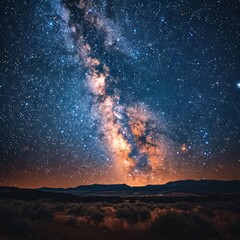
pixel 238 84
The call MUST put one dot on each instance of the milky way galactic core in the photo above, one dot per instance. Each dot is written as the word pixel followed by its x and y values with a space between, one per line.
pixel 136 92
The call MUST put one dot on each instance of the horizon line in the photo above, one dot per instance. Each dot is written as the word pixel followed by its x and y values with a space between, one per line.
pixel 109 184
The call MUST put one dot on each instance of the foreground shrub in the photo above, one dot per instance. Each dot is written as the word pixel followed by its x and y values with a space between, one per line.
pixel 94 212
pixel 180 225
pixel 97 216
pixel 202 227
pixel 42 214
pixel 170 224
pixel 59 207
pixel 183 206
pixel 205 211
pixel 133 214
pixel 77 210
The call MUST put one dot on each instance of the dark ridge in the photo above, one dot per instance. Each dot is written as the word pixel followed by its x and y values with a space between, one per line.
pixel 202 187
pixel 178 188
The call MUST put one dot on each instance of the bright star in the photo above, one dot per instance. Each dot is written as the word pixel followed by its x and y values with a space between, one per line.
pixel 238 85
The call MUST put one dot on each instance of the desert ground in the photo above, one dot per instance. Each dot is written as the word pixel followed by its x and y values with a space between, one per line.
pixel 129 219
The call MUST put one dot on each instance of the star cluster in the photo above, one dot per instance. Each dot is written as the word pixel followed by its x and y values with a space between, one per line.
pixel 119 91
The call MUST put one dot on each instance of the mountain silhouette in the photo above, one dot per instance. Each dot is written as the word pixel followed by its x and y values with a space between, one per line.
pixel 202 187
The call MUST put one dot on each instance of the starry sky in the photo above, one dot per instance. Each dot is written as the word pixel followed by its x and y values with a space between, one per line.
pixel 118 91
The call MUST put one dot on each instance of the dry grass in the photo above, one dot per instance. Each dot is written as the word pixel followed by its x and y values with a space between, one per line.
pixel 183 220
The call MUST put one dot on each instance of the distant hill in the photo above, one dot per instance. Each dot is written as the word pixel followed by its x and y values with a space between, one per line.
pixel 185 187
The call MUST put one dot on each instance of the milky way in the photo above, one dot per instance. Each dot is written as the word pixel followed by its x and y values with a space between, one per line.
pixel 137 92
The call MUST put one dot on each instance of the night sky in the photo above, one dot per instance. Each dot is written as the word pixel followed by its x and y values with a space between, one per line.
pixel 119 91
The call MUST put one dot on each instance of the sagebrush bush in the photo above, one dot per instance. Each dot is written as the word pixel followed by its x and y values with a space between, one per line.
pixel 181 225
pixel 39 214
pixel 181 220
pixel 77 210
pixel 206 211
pixel 133 213
pixel 96 215
pixel 183 206
pixel 58 207
pixel 202 227
pixel 170 224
